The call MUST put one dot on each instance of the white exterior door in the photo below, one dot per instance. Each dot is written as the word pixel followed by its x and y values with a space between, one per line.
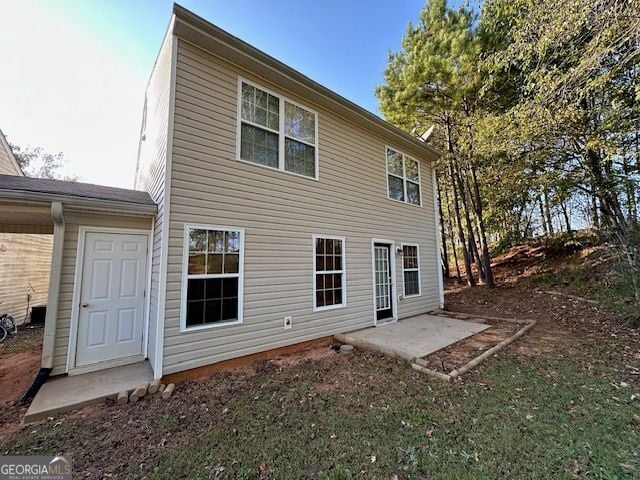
pixel 111 307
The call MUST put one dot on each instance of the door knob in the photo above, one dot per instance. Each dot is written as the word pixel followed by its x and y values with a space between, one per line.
pixel 85 305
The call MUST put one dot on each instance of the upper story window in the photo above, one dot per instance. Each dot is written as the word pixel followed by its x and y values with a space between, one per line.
pixel 403 177
pixel 277 133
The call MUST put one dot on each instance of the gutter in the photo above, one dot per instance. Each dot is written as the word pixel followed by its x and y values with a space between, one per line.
pixel 84 202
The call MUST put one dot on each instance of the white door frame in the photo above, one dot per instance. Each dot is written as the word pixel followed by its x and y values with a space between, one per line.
pixel 394 287
pixel 77 287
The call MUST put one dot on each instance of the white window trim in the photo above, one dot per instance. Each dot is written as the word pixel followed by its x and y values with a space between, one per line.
pixel 280 132
pixel 343 271
pixel 404 291
pixel 185 277
pixel 404 176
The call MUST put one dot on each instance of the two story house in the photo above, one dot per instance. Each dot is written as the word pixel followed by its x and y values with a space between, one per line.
pixel 268 211
pixel 286 212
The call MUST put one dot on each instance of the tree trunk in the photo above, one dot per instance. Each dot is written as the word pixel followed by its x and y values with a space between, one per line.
pixel 630 191
pixel 515 230
pixel 612 218
pixel 452 237
pixel 455 258
pixel 443 236
pixel 473 248
pixel 482 235
pixel 543 219
pixel 528 233
pixel 456 208
pixel 604 189
pixel 595 215
pixel 547 210
pixel 476 202
pixel 604 184
pixel 476 253
pixel 461 237
pixel 565 214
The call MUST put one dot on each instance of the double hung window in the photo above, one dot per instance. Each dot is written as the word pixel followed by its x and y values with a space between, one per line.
pixel 212 285
pixel 403 177
pixel 328 273
pixel 277 133
pixel 411 270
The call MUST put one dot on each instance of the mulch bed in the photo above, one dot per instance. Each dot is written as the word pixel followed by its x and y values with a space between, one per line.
pixel 460 353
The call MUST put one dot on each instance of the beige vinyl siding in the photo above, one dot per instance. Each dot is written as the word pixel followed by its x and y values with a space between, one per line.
pixel 280 213
pixel 73 221
pixel 152 164
pixel 25 261
pixel 7 163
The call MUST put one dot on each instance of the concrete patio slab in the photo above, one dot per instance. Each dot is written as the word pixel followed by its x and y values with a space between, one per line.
pixel 413 337
pixel 67 393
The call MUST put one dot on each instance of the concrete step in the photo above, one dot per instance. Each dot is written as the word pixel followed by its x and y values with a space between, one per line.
pixel 64 393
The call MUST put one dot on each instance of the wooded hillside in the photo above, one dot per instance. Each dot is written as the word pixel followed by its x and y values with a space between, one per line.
pixel 536 106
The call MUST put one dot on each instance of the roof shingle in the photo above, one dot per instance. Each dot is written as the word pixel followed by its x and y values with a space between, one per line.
pixel 74 189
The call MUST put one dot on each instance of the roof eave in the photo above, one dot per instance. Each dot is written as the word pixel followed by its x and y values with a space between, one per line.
pixel 249 58
pixel 95 204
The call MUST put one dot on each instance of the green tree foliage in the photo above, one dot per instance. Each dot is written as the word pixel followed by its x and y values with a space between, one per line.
pixel 35 162
pixel 432 77
pixel 435 80
pixel 576 65
pixel 537 105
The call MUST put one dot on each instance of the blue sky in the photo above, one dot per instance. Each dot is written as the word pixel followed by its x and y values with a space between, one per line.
pixel 337 43
pixel 79 68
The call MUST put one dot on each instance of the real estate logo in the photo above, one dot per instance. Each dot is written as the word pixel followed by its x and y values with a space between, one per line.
pixel 28 467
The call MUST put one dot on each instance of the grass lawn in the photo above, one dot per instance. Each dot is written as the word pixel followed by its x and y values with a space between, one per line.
pixel 365 416
pixel 561 402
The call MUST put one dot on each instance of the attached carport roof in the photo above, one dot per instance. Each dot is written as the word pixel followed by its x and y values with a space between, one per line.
pixel 11 185
pixel 25 203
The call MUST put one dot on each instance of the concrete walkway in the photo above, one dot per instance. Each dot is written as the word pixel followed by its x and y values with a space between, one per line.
pixel 67 393
pixel 413 337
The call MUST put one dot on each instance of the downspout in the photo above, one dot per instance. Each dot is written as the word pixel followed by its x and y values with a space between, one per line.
pixel 51 318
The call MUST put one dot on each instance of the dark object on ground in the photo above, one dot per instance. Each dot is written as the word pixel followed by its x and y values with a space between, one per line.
pixel 42 376
pixel 37 314
pixel 346 349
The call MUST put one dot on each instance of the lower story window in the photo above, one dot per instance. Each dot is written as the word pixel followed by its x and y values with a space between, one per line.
pixel 213 267
pixel 411 270
pixel 329 272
